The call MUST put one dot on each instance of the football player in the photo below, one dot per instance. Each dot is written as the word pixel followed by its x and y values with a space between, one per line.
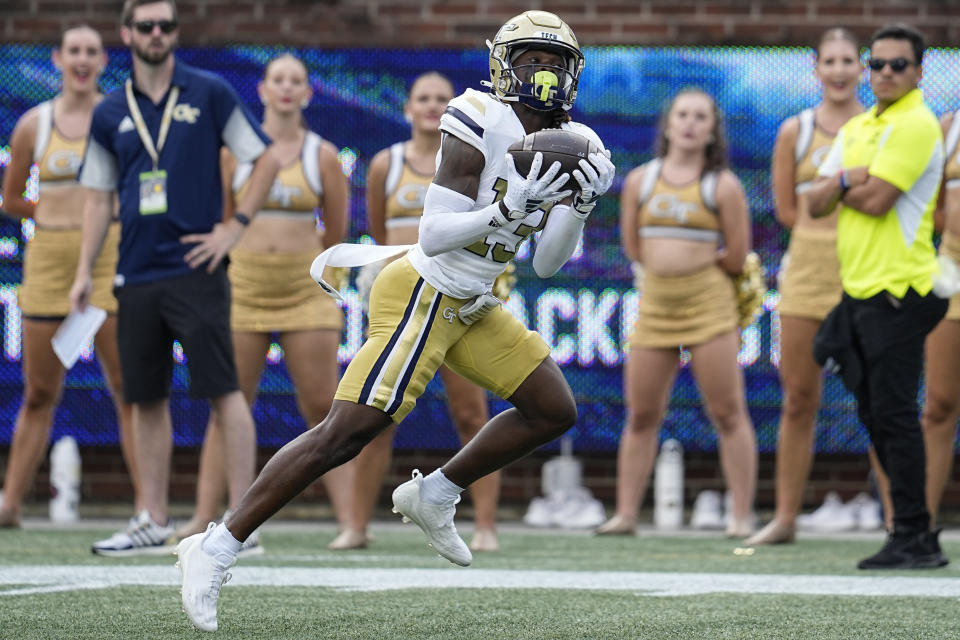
pixel 434 306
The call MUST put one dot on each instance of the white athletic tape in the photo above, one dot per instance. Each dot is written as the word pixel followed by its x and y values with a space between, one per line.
pixel 351 255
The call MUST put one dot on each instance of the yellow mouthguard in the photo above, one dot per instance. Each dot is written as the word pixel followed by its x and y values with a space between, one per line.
pixel 545 80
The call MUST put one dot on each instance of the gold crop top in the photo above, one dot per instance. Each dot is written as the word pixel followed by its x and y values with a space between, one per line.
pixel 297 190
pixel 405 190
pixel 671 211
pixel 58 158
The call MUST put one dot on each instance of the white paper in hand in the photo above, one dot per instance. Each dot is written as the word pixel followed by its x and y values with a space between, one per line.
pixel 76 332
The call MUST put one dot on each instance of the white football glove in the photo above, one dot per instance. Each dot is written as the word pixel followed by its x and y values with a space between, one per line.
pixel 478 308
pixel 595 179
pixel 527 194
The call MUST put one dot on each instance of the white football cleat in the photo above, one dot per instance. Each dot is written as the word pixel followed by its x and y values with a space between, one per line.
pixel 201 577
pixel 142 537
pixel 436 520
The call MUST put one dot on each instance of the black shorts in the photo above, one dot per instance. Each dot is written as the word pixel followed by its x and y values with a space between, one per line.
pixel 194 309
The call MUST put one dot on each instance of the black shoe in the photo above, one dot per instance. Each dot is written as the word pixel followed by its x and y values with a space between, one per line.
pixel 908 551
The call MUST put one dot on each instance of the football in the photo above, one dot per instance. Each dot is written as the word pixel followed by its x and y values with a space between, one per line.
pixel 556 145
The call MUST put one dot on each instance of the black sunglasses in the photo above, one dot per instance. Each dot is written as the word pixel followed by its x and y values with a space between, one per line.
pixel 146 26
pixel 897 65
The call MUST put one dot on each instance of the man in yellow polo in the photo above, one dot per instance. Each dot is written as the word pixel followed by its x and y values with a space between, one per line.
pixel 884 168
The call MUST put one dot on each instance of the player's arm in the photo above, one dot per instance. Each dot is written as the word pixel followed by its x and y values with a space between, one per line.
pixel 377 196
pixel 448 221
pixel 783 172
pixel 734 217
pixel 18 171
pixel 228 165
pixel 335 195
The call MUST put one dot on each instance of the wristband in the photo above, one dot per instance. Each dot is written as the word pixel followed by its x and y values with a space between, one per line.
pixel 844 183
pixel 242 218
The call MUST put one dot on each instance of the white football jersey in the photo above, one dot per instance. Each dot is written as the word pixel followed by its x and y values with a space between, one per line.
pixel 491 126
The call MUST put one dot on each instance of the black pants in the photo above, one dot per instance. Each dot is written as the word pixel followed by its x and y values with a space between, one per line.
pixel 888 336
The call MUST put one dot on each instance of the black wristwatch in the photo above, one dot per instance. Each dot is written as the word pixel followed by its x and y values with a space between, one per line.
pixel 242 218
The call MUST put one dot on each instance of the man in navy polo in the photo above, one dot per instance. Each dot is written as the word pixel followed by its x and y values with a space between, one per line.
pixel 157 145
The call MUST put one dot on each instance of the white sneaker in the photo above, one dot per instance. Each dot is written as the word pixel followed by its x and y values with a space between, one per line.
pixel 436 520
pixel 866 511
pixel 539 513
pixel 578 509
pixel 142 537
pixel 830 517
pixel 201 577
pixel 707 511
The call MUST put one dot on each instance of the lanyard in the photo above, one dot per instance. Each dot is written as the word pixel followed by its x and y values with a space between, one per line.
pixel 154 152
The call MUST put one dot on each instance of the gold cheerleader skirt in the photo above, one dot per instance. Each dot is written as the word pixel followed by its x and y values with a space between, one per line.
pixel 50 265
pixel 274 292
pixel 810 283
pixel 685 310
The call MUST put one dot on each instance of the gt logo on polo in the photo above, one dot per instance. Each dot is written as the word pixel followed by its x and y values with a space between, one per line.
pixel 449 314
pixel 185 113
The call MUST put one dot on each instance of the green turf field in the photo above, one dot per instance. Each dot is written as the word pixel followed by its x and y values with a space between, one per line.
pixel 541 585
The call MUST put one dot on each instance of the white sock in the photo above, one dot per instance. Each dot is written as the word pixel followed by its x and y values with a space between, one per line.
pixel 437 489
pixel 221 544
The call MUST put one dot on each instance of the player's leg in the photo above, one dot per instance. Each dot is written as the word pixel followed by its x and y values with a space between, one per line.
pixel 311 359
pixel 407 343
pixel 498 353
pixel 543 410
pixel 380 386
pixel 368 471
pixel 721 383
pixel 43 382
pixel 649 374
pixel 468 409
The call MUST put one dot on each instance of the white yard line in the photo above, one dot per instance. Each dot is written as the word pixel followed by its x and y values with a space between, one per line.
pixel 25 580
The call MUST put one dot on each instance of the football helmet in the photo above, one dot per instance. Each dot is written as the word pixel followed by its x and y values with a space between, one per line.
pixel 544 88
